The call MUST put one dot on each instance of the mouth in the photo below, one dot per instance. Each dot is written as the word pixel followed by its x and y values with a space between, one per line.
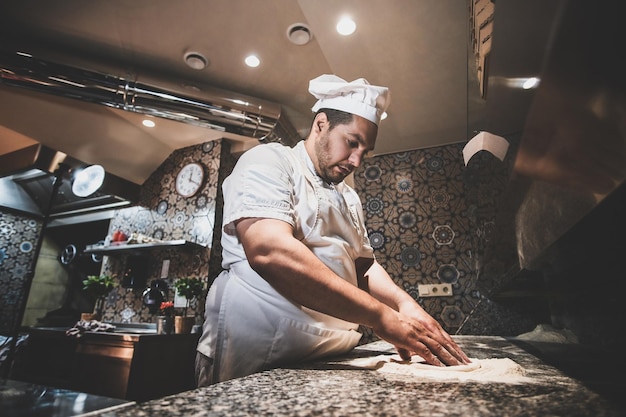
pixel 344 171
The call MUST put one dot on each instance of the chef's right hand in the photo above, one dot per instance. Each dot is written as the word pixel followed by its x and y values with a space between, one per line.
pixel 416 334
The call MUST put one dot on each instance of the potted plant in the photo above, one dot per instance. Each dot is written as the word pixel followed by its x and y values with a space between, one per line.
pixel 165 321
pixel 189 288
pixel 98 287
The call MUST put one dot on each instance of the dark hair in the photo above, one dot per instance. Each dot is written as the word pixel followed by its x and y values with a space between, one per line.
pixel 336 117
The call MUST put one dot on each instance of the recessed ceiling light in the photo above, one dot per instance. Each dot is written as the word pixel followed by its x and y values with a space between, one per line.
pixel 148 123
pixel 531 82
pixel 526 83
pixel 252 61
pixel 195 60
pixel 346 26
pixel 299 34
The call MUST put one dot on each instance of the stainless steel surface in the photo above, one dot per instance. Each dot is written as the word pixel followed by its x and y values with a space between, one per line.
pixel 135 328
pixel 130 328
pixel 220 110
pixel 140 247
pixel 25 399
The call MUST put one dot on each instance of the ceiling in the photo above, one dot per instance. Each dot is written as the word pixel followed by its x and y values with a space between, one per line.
pixel 419 49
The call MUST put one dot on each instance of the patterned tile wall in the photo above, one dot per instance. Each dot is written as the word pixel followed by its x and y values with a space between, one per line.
pixel 429 219
pixel 18 240
pixel 165 215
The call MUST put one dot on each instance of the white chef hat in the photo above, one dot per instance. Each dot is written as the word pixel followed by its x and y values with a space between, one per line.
pixel 357 97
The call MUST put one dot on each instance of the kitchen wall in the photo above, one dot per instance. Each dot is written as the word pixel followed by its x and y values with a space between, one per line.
pixel 164 215
pixel 18 240
pixel 430 220
pixel 160 214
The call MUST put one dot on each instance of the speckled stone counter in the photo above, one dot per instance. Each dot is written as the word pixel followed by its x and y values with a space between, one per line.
pixel 335 390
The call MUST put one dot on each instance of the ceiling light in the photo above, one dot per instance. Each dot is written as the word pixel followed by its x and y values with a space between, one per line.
pixel 252 61
pixel 346 26
pixel 299 34
pixel 531 82
pixel 195 60
pixel 526 83
pixel 88 180
pixel 148 123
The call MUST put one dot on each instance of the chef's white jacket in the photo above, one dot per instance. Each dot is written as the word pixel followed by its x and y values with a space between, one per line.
pixel 248 325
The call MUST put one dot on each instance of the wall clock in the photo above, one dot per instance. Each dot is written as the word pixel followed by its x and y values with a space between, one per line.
pixel 190 179
pixel 88 181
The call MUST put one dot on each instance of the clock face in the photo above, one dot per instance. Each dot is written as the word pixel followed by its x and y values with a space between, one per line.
pixel 189 179
pixel 88 181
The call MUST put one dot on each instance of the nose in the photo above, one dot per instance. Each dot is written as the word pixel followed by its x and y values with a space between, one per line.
pixel 355 158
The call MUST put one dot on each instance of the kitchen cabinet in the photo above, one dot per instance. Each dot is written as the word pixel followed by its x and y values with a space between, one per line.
pixel 128 366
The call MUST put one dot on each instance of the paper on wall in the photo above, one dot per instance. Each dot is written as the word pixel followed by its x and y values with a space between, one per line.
pixel 485 141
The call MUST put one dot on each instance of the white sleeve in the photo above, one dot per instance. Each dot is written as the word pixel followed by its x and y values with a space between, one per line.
pixel 261 185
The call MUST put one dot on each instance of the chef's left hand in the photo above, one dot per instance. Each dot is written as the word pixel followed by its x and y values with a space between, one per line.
pixel 414 311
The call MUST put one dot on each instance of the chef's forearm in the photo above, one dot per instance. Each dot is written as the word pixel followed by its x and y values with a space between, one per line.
pixel 382 287
pixel 295 272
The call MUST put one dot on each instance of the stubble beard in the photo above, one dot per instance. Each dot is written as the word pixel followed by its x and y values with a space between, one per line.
pixel 325 168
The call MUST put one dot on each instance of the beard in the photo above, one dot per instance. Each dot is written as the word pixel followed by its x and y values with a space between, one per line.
pixel 328 171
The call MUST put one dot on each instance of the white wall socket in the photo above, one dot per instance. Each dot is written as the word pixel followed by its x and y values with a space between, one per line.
pixel 434 290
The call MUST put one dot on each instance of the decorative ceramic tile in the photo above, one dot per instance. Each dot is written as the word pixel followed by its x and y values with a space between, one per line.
pixel 429 219
pixel 423 226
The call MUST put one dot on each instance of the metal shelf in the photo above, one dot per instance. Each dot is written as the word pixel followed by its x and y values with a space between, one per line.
pixel 143 247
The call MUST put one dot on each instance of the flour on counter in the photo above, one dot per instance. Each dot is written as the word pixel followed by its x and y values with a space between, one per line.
pixel 547 333
pixel 502 370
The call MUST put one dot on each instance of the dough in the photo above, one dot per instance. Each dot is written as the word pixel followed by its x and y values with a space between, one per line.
pixel 502 370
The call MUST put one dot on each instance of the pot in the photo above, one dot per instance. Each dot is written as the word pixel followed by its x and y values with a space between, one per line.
pixel 155 295
pixel 183 324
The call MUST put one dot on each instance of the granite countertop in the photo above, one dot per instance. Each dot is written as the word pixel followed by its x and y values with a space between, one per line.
pixel 328 388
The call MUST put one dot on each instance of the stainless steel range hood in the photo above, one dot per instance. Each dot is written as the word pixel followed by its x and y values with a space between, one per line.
pixel 206 107
pixel 27 177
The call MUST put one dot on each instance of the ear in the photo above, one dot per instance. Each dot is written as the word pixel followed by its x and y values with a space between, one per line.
pixel 319 122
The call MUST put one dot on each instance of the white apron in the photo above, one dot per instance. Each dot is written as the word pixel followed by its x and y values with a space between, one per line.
pixel 248 325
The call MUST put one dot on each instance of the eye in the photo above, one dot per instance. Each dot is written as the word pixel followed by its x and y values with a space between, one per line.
pixel 352 143
pixel 355 145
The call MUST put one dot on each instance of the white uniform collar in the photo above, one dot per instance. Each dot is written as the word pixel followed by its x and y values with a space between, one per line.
pixel 303 154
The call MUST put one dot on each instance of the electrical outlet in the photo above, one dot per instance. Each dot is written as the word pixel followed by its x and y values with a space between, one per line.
pixel 434 290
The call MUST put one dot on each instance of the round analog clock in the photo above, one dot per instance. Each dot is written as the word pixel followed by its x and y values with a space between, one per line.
pixel 189 179
pixel 88 181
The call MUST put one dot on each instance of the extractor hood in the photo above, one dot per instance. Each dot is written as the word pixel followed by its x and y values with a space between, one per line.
pixel 209 107
pixel 27 184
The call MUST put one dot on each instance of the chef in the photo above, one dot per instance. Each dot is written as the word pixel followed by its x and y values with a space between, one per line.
pixel 299 273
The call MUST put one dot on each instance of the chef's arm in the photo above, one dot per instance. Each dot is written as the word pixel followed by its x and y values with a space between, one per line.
pixel 381 286
pixel 294 271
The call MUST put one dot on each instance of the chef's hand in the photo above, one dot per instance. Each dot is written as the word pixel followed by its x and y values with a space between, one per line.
pixel 414 332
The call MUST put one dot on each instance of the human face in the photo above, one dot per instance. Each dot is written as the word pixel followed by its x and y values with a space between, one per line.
pixel 337 152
